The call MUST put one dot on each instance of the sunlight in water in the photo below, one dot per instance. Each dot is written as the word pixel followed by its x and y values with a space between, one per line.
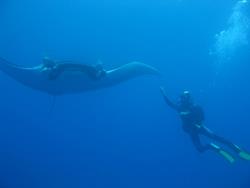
pixel 235 36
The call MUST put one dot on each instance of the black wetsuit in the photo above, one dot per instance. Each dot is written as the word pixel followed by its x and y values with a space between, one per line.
pixel 192 117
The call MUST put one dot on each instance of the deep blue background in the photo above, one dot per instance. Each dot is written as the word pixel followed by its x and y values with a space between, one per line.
pixel 123 136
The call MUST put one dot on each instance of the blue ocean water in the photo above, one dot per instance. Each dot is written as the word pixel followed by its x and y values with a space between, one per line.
pixel 125 136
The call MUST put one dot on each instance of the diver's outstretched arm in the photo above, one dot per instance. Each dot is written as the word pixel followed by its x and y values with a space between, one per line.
pixel 169 103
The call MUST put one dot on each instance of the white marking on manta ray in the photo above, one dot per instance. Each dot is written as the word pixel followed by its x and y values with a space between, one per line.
pixel 70 82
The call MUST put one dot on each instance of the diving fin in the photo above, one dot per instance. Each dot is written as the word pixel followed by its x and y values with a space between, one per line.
pixel 245 155
pixel 227 156
pixel 223 153
pixel 242 154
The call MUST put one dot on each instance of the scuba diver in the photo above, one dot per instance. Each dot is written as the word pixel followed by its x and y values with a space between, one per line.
pixel 56 68
pixel 192 117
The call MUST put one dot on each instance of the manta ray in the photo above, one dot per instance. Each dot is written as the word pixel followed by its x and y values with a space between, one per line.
pixel 70 82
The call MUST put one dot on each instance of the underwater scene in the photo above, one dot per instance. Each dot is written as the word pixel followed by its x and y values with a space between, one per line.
pixel 124 93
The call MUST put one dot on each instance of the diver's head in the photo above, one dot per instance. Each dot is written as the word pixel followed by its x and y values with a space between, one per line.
pixel 186 99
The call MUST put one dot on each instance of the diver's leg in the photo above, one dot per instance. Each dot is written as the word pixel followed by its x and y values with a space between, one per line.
pixel 206 132
pixel 243 154
pixel 197 143
pixel 202 148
